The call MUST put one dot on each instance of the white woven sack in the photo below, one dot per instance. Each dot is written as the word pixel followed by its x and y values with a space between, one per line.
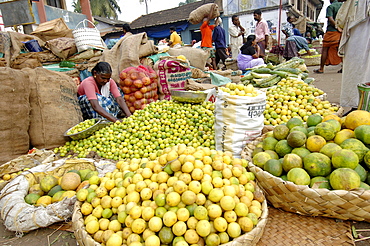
pixel 86 37
pixel 21 217
pixel 238 120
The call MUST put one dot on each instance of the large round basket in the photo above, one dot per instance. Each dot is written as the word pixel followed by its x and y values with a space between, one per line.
pixel 301 199
pixel 248 239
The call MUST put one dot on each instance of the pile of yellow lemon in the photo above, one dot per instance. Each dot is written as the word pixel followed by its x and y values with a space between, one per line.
pixel 240 90
pixel 186 196
pixel 294 98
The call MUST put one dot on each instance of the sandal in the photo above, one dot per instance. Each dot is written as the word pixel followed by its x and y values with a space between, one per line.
pixel 317 71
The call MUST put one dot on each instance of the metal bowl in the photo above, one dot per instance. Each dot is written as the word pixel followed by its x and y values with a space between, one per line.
pixel 89 131
pixel 188 96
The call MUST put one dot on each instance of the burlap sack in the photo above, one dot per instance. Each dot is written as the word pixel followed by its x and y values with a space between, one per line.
pixel 47 56
pixel 191 85
pixel 24 60
pixel 14 114
pixel 148 49
pixel 54 107
pixel 49 30
pixel 196 16
pixel 11 44
pixel 62 47
pixel 197 57
pixel 126 52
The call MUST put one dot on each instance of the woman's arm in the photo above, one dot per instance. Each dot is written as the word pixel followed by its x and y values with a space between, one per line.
pixel 122 103
pixel 99 109
pixel 257 54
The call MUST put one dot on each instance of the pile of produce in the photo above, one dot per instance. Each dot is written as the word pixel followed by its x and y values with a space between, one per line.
pixel 52 189
pixel 9 176
pixel 269 75
pixel 327 152
pixel 159 125
pixel 82 126
pixel 294 98
pixel 185 196
pixel 139 84
pixel 240 90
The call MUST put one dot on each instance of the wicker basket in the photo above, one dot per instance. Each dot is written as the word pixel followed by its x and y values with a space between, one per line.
pixel 86 37
pixel 312 61
pixel 301 199
pixel 248 239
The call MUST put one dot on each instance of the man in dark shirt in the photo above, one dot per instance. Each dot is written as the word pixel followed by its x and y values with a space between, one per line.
pixel 219 40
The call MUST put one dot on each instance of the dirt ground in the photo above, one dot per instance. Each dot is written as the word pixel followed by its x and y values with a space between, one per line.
pixel 329 82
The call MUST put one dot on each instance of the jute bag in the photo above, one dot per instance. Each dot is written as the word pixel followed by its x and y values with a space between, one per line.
pixel 239 120
pixel 52 29
pixel 197 57
pixel 14 114
pixel 54 107
pixel 196 16
pixel 86 37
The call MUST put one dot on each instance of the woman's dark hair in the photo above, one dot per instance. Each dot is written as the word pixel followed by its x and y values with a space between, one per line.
pixel 250 39
pixel 126 27
pixel 102 68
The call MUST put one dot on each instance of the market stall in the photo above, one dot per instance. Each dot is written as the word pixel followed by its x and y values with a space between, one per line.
pixel 198 161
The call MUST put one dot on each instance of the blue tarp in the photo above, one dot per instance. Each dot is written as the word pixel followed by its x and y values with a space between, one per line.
pixel 163 31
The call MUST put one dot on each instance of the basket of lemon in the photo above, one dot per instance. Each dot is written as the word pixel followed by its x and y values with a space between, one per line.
pixel 318 168
pixel 86 128
pixel 143 201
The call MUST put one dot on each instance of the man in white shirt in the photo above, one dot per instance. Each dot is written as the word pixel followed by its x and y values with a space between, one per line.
pixel 236 32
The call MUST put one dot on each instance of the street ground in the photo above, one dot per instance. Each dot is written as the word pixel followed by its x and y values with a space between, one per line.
pixel 329 82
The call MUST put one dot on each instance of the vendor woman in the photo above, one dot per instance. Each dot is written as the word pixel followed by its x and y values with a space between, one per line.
pixel 99 96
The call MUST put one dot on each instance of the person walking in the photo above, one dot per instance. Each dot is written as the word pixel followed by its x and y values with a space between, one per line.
pixel 236 36
pixel 175 39
pixel 219 39
pixel 329 53
pixel 262 32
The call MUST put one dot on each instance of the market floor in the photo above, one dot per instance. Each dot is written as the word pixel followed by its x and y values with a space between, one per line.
pixel 329 82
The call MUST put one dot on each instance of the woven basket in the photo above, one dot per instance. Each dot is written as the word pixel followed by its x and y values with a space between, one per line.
pixel 248 239
pixel 301 199
pixel 86 37
pixel 312 61
pixel 284 228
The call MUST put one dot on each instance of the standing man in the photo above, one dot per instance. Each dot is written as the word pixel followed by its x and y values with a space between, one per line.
pixel 175 39
pixel 262 32
pixel 329 53
pixel 236 36
pixel 354 18
pixel 219 39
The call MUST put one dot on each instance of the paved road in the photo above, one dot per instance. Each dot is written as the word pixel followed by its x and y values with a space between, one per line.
pixel 330 82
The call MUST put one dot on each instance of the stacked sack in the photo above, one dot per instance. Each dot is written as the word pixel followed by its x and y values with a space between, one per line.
pixel 139 84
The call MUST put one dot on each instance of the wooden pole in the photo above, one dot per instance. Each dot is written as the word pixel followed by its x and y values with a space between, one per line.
pixel 280 10
pixel 86 10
